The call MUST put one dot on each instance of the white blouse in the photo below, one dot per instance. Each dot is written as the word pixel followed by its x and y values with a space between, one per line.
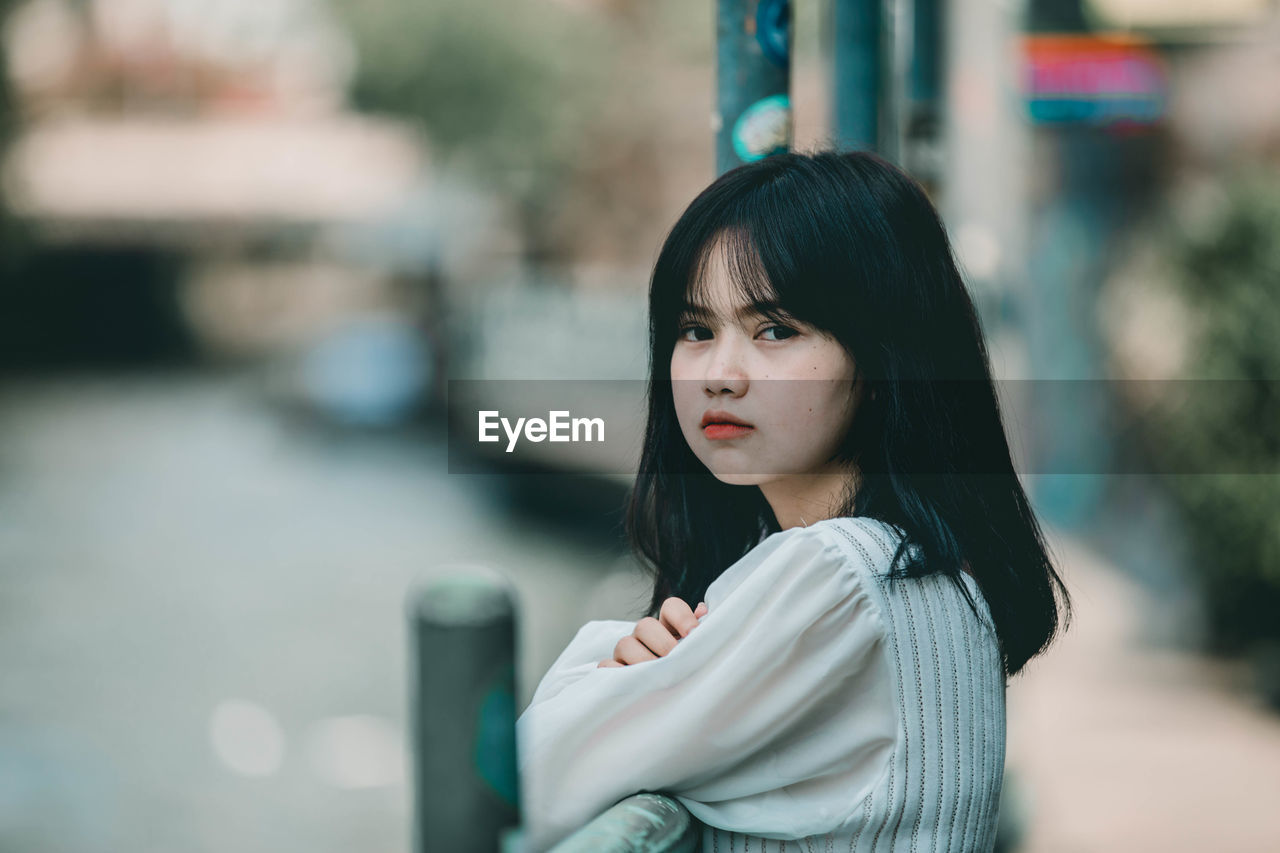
pixel 817 702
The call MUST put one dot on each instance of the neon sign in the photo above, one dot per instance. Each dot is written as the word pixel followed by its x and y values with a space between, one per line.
pixel 1093 79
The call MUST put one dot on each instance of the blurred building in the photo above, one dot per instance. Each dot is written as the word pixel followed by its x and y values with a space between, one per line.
pixel 189 178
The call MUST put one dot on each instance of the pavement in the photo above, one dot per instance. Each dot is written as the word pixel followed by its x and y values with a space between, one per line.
pixel 202 633
pixel 1118 743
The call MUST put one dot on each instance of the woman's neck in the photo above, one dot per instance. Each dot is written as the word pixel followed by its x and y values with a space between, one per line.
pixel 799 500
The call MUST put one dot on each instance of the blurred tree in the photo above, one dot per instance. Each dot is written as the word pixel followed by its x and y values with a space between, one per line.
pixel 1227 272
pixel 591 116
pixel 506 90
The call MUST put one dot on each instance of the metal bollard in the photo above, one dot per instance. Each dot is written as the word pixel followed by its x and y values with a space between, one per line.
pixel 463 711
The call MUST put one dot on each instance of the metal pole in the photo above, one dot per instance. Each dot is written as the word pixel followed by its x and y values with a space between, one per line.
pixel 463 715
pixel 861 81
pixel 923 154
pixel 753 81
pixel 925 77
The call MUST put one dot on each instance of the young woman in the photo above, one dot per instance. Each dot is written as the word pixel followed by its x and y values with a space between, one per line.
pixel 826 474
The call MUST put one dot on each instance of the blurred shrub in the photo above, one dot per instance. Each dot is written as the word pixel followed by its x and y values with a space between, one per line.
pixel 505 89
pixel 1227 270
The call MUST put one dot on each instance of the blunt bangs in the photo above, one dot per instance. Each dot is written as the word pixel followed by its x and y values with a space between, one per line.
pixel 798 233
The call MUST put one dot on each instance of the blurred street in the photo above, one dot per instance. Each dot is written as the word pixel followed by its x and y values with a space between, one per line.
pixel 245 248
pixel 216 659
pixel 202 633
pixel 1119 744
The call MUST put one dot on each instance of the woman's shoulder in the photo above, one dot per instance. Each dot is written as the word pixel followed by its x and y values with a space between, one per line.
pixel 861 546
pixel 854 551
pixel 866 544
pixel 871 544
pixel 863 529
pixel 796 561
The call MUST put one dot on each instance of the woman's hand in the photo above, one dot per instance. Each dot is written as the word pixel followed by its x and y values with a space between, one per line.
pixel 654 638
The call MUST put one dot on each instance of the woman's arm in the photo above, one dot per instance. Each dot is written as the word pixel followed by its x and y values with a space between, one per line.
pixel 769 717
pixel 654 638
pixel 593 641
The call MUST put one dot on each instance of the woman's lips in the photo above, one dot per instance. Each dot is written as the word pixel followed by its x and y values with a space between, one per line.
pixel 718 431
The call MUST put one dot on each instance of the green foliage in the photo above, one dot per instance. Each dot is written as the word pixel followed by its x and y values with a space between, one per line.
pixel 505 88
pixel 1228 271
pixel 551 103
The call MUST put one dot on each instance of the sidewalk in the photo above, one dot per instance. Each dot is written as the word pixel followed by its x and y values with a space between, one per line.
pixel 1119 747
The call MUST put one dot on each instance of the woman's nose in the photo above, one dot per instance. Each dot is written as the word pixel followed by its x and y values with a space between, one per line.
pixel 726 370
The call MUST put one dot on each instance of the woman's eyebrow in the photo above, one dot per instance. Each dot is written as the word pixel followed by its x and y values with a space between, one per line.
pixel 758 308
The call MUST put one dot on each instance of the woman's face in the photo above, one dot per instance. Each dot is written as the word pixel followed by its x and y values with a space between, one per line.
pixel 791 383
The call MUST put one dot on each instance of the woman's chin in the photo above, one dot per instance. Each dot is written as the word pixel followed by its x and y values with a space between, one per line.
pixel 734 478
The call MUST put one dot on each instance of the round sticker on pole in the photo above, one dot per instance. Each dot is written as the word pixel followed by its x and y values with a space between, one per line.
pixel 764 128
pixel 773 29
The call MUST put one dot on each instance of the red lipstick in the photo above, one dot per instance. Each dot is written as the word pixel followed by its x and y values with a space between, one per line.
pixel 717 424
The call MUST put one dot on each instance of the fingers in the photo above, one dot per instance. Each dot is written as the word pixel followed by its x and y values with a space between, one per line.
pixel 630 650
pixel 677 618
pixel 656 637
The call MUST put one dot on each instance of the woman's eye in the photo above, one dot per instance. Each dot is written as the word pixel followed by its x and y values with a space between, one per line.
pixel 685 330
pixel 785 331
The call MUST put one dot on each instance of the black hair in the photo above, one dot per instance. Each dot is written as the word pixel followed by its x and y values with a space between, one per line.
pixel 850 244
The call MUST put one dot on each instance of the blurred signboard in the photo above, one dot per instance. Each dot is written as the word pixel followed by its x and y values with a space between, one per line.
pixel 158 179
pixel 1190 18
pixel 1096 79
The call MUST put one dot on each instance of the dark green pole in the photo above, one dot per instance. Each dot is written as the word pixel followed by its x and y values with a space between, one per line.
pixel 927 57
pixel 463 719
pixel 925 95
pixel 861 82
pixel 753 81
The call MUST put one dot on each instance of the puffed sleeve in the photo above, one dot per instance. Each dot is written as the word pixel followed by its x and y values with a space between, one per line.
pixel 773 717
pixel 593 643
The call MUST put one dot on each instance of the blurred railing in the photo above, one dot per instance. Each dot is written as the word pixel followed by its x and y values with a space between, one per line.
pixel 642 823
